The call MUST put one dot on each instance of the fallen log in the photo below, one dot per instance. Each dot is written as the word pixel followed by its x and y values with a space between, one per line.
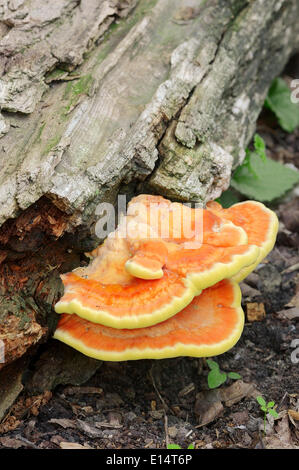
pixel 118 96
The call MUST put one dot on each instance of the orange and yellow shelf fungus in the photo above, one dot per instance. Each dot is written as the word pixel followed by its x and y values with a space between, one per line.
pixel 210 325
pixel 170 227
pixel 260 224
pixel 151 291
pixel 135 303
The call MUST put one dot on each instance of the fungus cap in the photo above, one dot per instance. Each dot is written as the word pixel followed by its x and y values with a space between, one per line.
pixel 260 224
pixel 169 227
pixel 130 302
pixel 110 293
pixel 210 325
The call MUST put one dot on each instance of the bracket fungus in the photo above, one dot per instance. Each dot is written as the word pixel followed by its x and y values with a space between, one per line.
pixel 260 224
pixel 211 324
pixel 152 290
pixel 109 293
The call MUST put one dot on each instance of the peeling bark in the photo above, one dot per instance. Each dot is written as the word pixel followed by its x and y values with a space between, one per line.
pixel 97 96
pixel 43 35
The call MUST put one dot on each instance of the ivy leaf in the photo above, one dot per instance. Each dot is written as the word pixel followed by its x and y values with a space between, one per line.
pixel 279 102
pixel 272 181
pixel 234 375
pixel 216 378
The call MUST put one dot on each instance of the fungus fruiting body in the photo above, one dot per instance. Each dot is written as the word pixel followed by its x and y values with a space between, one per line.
pixel 136 304
pixel 260 224
pixel 109 293
pixel 156 289
pixel 211 324
pixel 173 227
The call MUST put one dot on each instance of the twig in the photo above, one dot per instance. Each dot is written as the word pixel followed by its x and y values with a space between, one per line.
pixel 29 443
pixel 165 406
pixel 282 401
pixel 166 429
pixel 291 269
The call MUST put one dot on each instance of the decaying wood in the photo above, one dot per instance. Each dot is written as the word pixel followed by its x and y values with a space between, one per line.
pixel 98 97
pixel 37 36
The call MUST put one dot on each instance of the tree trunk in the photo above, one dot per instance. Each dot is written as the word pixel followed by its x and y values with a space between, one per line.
pixel 105 97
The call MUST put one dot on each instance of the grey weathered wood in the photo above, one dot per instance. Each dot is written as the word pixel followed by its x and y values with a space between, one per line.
pixel 97 96
pixel 198 70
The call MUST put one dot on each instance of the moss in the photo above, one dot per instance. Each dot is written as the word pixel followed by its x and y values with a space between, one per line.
pixel 39 134
pixel 78 87
pixel 50 144
pixel 74 89
pixel 55 74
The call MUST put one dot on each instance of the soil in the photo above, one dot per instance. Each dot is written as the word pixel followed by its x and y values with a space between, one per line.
pixel 153 403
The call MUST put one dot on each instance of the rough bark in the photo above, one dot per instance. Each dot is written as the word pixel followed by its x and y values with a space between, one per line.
pixel 101 96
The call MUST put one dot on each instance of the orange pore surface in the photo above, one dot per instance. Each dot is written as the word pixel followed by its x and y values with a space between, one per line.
pixel 139 297
pixel 202 259
pixel 209 319
pixel 249 215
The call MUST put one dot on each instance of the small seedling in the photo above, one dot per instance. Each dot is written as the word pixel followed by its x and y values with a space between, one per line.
pixel 216 377
pixel 176 446
pixel 266 408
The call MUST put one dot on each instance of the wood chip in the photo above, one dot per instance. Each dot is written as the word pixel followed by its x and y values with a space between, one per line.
pixel 186 390
pixel 88 429
pixel 104 424
pixel 237 391
pixel 255 311
pixel 83 391
pixel 63 422
pixel 73 445
pixel 289 313
pixel 11 443
pixel 294 414
pixel 291 269
pixel 153 405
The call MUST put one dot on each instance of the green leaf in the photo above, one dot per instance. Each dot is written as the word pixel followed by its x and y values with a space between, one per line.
pixel 279 102
pixel 264 408
pixel 173 446
pixel 273 413
pixel 260 146
pixel 270 404
pixel 212 364
pixel 190 446
pixel 216 378
pixel 272 181
pixel 228 198
pixel 261 400
pixel 234 375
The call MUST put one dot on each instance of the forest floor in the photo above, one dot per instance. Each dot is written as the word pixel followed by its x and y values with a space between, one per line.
pixel 153 403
